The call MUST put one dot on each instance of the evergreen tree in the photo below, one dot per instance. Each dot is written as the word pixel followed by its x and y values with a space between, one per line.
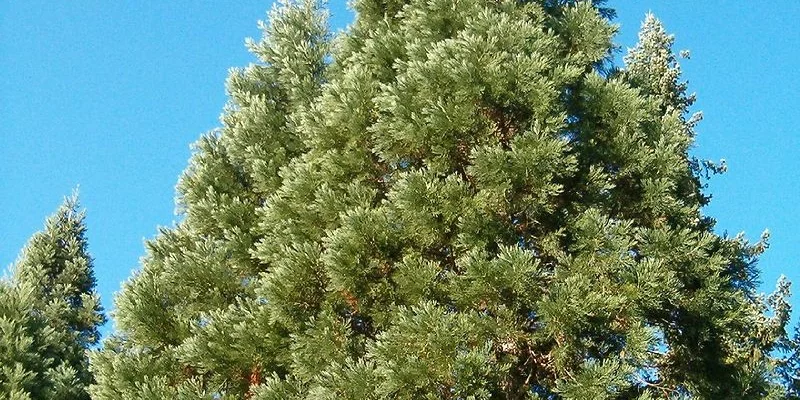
pixel 789 365
pixel 453 199
pixel 50 313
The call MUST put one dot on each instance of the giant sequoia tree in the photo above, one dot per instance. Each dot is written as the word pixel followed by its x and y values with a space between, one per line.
pixel 49 313
pixel 451 200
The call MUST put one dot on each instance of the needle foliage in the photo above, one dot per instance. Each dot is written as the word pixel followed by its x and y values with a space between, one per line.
pixel 449 200
pixel 50 313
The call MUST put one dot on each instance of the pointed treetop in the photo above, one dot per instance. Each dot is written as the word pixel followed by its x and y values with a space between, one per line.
pixel 653 66
pixel 56 262
pixel 50 312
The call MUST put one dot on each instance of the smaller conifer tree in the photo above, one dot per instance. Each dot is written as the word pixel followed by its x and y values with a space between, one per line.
pixel 50 313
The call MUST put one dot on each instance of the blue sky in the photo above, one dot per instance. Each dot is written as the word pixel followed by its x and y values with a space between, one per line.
pixel 109 95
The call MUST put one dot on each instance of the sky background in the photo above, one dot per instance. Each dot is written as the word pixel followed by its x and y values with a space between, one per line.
pixel 109 95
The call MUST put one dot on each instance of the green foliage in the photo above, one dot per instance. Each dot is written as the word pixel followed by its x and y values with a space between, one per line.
pixel 49 313
pixel 451 200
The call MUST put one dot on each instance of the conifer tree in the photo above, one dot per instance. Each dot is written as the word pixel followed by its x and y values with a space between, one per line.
pixel 789 365
pixel 50 313
pixel 452 200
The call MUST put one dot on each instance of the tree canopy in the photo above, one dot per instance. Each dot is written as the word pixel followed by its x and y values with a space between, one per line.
pixel 450 200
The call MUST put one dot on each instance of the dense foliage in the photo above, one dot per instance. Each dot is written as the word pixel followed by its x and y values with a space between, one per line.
pixel 451 200
pixel 49 314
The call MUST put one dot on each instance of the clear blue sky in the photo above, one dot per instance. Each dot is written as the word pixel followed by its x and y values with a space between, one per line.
pixel 109 95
